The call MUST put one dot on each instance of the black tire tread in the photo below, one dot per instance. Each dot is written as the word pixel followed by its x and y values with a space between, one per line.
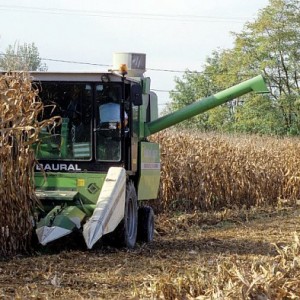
pixel 120 234
pixel 145 224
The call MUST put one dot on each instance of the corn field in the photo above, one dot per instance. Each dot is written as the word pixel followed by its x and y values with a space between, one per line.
pixel 200 171
pixel 214 171
pixel 19 128
pixel 232 279
pixel 234 252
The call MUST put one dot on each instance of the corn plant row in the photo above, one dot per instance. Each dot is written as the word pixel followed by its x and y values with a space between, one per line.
pixel 213 171
pixel 19 128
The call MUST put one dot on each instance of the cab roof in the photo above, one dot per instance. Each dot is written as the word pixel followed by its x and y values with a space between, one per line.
pixel 77 76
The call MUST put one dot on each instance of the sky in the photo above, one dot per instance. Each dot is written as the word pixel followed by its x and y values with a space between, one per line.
pixel 174 34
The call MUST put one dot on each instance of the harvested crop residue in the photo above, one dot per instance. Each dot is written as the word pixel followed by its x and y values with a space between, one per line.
pixel 253 254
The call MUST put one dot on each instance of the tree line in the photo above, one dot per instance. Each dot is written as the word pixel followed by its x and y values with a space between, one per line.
pixel 270 45
pixel 21 57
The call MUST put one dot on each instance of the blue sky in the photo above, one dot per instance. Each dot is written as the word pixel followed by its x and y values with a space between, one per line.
pixel 175 35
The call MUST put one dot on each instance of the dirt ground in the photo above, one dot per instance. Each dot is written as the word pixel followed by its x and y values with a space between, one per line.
pixel 181 242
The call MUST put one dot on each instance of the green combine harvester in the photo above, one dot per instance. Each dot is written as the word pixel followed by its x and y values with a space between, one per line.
pixel 97 167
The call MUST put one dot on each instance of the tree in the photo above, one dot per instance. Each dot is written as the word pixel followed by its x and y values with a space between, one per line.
pixel 270 44
pixel 258 115
pixel 188 90
pixel 22 58
pixel 215 77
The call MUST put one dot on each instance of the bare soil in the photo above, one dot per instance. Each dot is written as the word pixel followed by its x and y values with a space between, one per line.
pixel 68 271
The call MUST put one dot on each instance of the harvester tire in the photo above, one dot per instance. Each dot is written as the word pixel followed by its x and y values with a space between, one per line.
pixel 145 224
pixel 127 229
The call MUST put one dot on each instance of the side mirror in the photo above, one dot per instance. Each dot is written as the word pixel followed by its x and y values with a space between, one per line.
pixel 136 95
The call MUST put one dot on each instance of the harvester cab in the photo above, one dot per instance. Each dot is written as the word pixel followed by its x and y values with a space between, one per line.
pixel 96 166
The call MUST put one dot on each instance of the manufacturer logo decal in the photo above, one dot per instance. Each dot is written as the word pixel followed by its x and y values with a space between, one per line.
pixel 57 167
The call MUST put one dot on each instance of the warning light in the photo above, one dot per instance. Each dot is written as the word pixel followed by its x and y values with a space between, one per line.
pixel 123 69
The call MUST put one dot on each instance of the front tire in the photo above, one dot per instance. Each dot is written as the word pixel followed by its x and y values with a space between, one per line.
pixel 127 229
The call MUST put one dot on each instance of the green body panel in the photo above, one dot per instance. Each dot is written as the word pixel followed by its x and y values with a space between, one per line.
pixel 255 84
pixel 149 169
pixel 146 83
pixel 57 181
pixel 145 110
pixel 87 186
pixel 143 115
pixel 153 107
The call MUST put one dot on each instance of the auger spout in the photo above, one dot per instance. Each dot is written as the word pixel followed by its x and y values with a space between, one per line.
pixel 255 84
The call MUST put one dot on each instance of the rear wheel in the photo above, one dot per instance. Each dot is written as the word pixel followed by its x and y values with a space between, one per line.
pixel 145 224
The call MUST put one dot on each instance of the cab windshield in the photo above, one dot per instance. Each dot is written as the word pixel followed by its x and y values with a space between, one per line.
pixel 72 140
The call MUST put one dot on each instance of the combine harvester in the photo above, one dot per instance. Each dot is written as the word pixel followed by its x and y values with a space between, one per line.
pixel 97 167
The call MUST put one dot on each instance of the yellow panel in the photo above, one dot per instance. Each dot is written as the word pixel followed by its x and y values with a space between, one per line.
pixel 80 182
